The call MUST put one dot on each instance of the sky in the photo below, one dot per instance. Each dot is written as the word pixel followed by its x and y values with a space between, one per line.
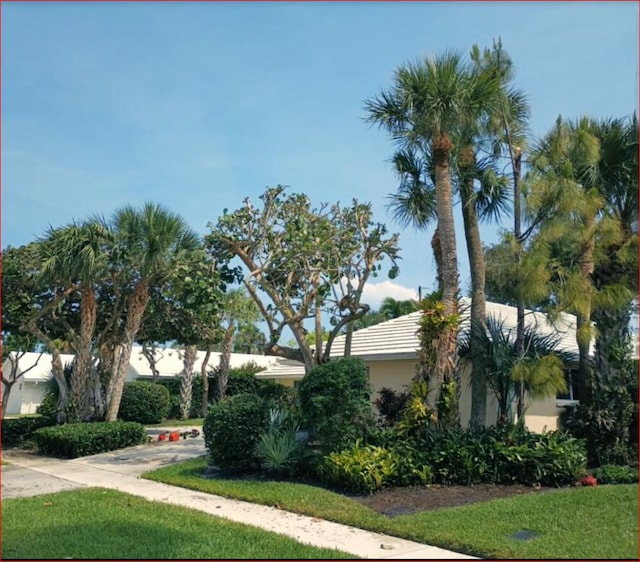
pixel 199 105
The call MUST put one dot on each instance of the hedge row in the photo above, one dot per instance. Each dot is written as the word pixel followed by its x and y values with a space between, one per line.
pixel 81 439
pixel 16 431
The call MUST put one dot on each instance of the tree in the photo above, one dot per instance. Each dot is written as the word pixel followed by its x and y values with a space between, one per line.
pixel 19 297
pixel 392 308
pixel 306 261
pixel 76 258
pixel 541 371
pixel 433 112
pixel 237 309
pixel 149 242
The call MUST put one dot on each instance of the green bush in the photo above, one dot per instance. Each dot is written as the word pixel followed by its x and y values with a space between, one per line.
pixel 232 429
pixel 368 468
pixel 81 439
pixel 279 449
pixel 615 474
pixel 144 402
pixel 335 401
pixel 49 406
pixel 504 454
pixel 16 431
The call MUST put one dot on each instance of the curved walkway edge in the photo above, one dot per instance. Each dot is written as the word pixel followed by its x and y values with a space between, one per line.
pixel 308 530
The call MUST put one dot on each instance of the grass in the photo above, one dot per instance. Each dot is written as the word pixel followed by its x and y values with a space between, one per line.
pixel 100 524
pixel 194 422
pixel 574 523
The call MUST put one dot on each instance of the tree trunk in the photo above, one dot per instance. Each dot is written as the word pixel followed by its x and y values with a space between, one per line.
pixel 186 380
pixel 205 380
pixel 478 312
pixel 122 355
pixel 6 392
pixel 437 256
pixel 517 232
pixel 225 360
pixel 81 390
pixel 447 342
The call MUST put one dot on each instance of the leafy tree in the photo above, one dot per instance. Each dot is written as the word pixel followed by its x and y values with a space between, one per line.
pixel 392 308
pixel 435 113
pixel 306 261
pixel 20 291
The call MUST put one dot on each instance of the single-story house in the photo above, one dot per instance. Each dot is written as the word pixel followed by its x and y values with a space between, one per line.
pixel 390 351
pixel 29 390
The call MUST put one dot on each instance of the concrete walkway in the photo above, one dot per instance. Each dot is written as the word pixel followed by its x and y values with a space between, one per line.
pixel 120 470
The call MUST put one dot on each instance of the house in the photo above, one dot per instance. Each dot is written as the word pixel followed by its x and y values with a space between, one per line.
pixel 30 389
pixel 390 352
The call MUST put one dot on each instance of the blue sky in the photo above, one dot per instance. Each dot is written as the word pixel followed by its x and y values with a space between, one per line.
pixel 197 105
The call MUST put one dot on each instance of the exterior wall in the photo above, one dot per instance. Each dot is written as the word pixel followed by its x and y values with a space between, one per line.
pixel 15 399
pixel 33 394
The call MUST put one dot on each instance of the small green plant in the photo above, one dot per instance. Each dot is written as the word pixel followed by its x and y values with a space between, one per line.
pixel 144 402
pixel 615 474
pixel 80 439
pixel 279 449
pixel 232 430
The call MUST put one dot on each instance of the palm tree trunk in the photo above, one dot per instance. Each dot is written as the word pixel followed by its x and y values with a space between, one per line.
pixel 447 342
pixel 122 355
pixel 437 256
pixel 81 381
pixel 186 380
pixel 205 380
pixel 478 312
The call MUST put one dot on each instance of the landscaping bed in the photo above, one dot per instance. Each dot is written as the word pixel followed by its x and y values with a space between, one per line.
pixel 404 501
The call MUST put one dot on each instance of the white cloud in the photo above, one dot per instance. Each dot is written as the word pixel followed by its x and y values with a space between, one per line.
pixel 375 293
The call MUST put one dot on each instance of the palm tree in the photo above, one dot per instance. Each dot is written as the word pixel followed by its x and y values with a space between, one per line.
pixel 76 256
pixel 392 308
pixel 443 104
pixel 148 243
pixel 617 266
pixel 541 370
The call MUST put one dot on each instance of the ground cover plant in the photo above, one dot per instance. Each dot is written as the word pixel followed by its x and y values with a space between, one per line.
pixel 104 524
pixel 600 522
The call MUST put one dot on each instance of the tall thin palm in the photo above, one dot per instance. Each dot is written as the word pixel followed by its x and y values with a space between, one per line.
pixel 148 242
pixel 439 110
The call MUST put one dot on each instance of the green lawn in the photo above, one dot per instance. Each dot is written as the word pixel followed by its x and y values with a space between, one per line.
pixel 98 524
pixel 574 523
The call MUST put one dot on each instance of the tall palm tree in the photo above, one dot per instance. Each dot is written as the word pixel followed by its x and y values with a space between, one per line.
pixel 76 256
pixel 444 104
pixel 392 308
pixel 617 266
pixel 148 242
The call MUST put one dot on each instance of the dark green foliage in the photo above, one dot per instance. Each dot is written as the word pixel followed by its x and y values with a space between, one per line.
pixel 280 449
pixel 335 402
pixel 604 424
pixel 80 439
pixel 368 468
pixel 49 406
pixel 276 395
pixel 391 404
pixel 615 474
pixel 16 431
pixel 144 402
pixel 232 429
pixel 173 386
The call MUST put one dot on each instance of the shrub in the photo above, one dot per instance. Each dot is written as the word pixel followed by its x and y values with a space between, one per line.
pixel 279 449
pixel 334 399
pixel 391 404
pixel 144 402
pixel 232 429
pixel 615 474
pixel 16 431
pixel 80 439
pixel 367 468
pixel 275 394
pixel 48 408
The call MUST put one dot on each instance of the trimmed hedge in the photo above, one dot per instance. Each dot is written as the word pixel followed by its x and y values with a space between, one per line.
pixel 232 430
pixel 81 439
pixel 614 474
pixel 16 431
pixel 144 402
